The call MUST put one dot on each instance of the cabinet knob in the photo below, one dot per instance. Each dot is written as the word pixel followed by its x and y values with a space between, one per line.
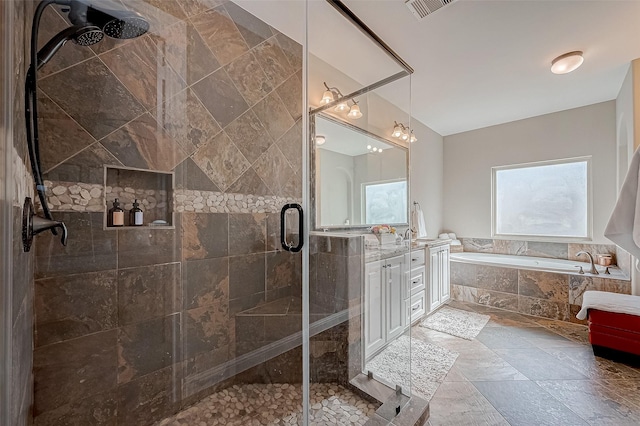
pixel 413 259
pixel 415 308
pixel 414 282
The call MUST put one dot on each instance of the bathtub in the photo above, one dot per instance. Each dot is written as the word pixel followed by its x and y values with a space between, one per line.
pixel 532 263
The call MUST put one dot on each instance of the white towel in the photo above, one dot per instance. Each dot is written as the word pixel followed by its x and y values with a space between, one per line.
pixel 417 220
pixel 610 302
pixel 624 225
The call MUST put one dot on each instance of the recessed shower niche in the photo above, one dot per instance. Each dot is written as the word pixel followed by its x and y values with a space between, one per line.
pixel 153 191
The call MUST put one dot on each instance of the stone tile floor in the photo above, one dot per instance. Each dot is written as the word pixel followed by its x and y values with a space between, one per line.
pixel 275 404
pixel 523 370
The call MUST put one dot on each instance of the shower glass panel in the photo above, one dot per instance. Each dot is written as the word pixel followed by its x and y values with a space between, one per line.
pixel 358 299
pixel 199 310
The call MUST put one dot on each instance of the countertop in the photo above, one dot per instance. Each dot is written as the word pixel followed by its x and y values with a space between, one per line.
pixel 385 252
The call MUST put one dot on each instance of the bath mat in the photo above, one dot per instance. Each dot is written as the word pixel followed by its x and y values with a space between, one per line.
pixel 429 365
pixel 456 322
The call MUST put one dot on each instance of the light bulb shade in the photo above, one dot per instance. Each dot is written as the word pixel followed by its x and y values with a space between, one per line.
pixel 413 138
pixel 320 140
pixel 354 112
pixel 566 63
pixel 341 107
pixel 397 131
pixel 405 135
pixel 327 97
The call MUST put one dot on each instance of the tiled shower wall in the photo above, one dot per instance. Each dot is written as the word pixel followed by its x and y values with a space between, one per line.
pixel 124 317
pixel 21 186
pixel 545 294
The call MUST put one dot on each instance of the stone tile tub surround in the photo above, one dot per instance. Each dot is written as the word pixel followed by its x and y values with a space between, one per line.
pixel 125 317
pixel 546 294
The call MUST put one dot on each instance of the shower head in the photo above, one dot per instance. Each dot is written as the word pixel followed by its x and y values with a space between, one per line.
pixel 109 16
pixel 83 35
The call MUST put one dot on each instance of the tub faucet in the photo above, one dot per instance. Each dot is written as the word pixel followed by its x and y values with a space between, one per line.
pixel 593 269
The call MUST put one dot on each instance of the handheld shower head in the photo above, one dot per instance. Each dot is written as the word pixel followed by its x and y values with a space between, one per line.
pixel 109 16
pixel 83 35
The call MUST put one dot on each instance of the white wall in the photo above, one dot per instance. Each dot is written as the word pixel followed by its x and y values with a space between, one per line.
pixel 335 188
pixel 427 176
pixel 469 156
pixel 624 126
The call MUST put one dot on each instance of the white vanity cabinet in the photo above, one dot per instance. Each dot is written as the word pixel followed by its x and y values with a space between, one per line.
pixel 438 282
pixel 415 284
pixel 384 314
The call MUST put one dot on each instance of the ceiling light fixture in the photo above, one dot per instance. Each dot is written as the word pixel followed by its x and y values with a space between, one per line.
pixel 320 140
pixel 402 132
pixel 354 112
pixel 566 63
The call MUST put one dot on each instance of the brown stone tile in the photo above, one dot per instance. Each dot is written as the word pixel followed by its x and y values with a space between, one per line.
pixel 273 61
pixel 497 279
pixel 582 359
pixel 249 78
pixel 206 282
pixel 86 166
pixel 143 144
pixel 148 292
pixel 579 284
pixel 159 13
pixel 253 30
pixel 627 389
pixel 141 247
pixel 92 96
pixel 249 183
pixel 274 169
pixel 477 245
pixel 185 50
pixel 221 35
pixel 292 50
pixel 148 346
pixel 543 308
pixel 89 247
pixel 72 306
pixel 496 299
pixel 71 53
pixel 293 186
pixel 464 293
pixel 550 250
pixel 249 135
pixel 246 275
pixel 464 274
pixel 140 68
pixel 502 338
pixel 221 160
pixel 60 136
pixel 536 364
pixel 207 328
pixel 208 360
pixel 274 115
pixel 573 311
pixel 543 285
pixel 273 232
pixel 291 94
pixel 220 96
pixel 575 248
pixel 187 121
pixel 189 176
pixel 291 146
pixel 98 410
pixel 69 371
pixel 512 247
pixel 575 332
pixel 195 7
pixel 205 235
pixel 248 233
pixel 284 269
pixel 150 398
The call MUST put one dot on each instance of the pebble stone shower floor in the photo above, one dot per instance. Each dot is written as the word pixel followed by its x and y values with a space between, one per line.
pixel 275 404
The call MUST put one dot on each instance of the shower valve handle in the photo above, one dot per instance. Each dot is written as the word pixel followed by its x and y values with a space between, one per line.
pixel 33 225
pixel 41 224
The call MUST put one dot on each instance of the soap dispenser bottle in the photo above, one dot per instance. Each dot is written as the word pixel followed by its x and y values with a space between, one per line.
pixel 116 215
pixel 136 216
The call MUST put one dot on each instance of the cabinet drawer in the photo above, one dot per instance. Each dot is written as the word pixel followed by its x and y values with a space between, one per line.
pixel 417 280
pixel 414 259
pixel 417 306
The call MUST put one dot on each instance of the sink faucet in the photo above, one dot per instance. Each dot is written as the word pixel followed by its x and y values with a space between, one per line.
pixel 407 234
pixel 593 269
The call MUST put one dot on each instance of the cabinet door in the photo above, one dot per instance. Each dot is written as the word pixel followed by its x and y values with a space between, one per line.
pixel 395 282
pixel 445 284
pixel 374 312
pixel 434 278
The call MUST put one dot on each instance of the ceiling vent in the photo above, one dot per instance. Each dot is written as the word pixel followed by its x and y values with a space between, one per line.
pixel 422 8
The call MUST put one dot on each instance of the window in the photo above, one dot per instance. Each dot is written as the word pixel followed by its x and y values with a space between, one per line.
pixel 545 200
pixel 385 202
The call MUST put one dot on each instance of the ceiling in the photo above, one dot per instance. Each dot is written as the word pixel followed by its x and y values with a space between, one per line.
pixel 484 62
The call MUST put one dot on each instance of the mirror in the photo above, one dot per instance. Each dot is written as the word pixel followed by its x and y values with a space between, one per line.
pixel 360 178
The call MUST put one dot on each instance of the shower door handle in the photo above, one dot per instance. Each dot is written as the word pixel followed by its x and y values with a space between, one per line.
pixel 283 228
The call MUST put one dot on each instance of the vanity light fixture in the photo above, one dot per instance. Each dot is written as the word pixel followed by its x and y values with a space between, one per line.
pixel 402 132
pixel 320 140
pixel 331 94
pixel 566 63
